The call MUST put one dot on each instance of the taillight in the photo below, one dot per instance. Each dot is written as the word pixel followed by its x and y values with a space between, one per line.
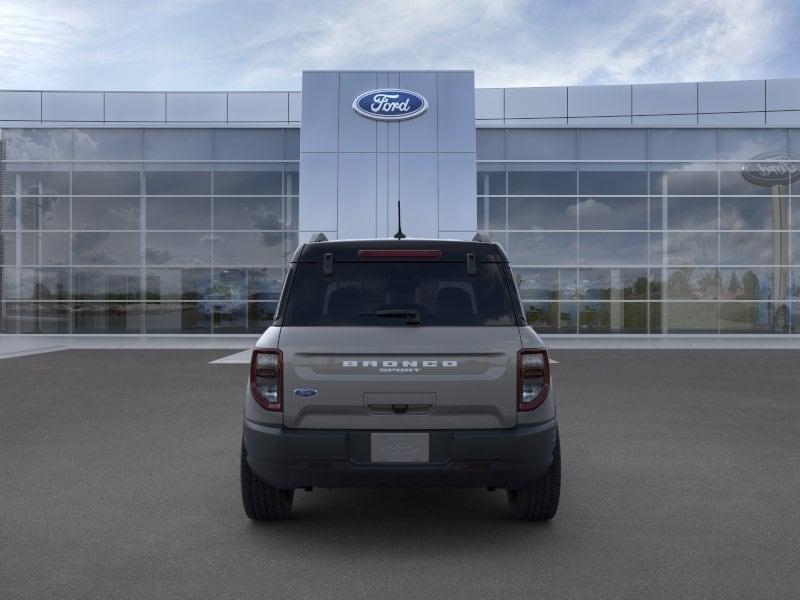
pixel 533 384
pixel 265 378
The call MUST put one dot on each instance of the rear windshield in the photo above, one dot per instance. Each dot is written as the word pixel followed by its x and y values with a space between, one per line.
pixel 398 294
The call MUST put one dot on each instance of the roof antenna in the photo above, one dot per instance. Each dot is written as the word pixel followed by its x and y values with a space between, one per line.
pixel 399 235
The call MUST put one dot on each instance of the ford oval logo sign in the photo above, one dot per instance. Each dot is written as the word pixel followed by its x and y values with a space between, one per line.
pixel 772 168
pixel 390 105
pixel 305 392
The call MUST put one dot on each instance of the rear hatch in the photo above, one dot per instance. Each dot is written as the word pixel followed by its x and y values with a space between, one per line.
pixel 399 341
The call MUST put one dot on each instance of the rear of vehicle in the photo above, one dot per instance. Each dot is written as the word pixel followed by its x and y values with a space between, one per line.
pixel 400 363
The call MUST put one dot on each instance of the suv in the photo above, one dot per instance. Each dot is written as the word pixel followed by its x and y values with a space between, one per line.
pixel 400 363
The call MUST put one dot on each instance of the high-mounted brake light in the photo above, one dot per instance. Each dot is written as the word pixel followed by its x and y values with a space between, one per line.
pixel 533 380
pixel 399 253
pixel 266 376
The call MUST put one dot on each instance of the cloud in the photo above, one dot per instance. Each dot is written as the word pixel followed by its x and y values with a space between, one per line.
pixel 213 44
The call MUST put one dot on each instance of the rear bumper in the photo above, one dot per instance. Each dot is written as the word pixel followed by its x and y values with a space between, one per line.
pixel 504 458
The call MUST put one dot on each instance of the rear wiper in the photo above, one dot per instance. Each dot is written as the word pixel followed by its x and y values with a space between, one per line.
pixel 411 315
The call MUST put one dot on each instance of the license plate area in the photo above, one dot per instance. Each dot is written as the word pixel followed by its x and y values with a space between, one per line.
pixel 388 447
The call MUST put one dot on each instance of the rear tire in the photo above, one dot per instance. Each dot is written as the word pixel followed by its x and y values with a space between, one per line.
pixel 261 501
pixel 540 501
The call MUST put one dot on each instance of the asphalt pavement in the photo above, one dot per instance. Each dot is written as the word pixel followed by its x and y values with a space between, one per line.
pixel 119 479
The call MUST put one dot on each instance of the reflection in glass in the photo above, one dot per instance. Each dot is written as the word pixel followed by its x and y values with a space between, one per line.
pixel 613 183
pixel 248 213
pixel 695 248
pixel 547 284
pixel 543 248
pixel 613 284
pixel 93 212
pixel 691 317
pixel 264 284
pixel 102 317
pixel 753 283
pixel 176 317
pixel 34 317
pixel 613 248
pixel 106 248
pixel 541 183
pixel 106 284
pixel 749 248
pixel 694 284
pixel 248 182
pixel 612 213
pixel 35 182
pixel 191 249
pixel 753 317
pixel 36 284
pixel 683 183
pixel 491 183
pixel 177 183
pixel 552 317
pixel 753 213
pixel 44 212
pixel 732 182
pixel 692 213
pixel 117 183
pixel 178 213
pixel 250 249
pixel 542 213
pixel 177 284
pixel 492 213
pixel 613 317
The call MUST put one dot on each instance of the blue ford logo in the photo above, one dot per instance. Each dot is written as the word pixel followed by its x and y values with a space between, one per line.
pixel 305 392
pixel 390 105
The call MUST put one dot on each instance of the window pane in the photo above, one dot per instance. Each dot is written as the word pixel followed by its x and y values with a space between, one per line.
pixel 248 144
pixel 264 284
pixel 613 284
pixel 45 317
pixel 248 213
pixel 260 316
pixel 178 144
pixel 684 183
pixel 752 213
pixel 36 284
pixel 696 248
pixel 692 213
pixel 491 182
pixel 249 249
pixel 691 317
pixel 607 144
pixel 248 182
pixel 177 284
pixel 538 183
pixel 746 143
pixel 45 212
pixel 754 284
pixel 184 183
pixel 106 213
pixel 36 183
pixel 748 248
pixel 178 249
pixel 542 213
pixel 732 182
pixel 178 212
pixel 752 317
pixel 613 249
pixel 492 213
pixel 107 284
pixel 227 317
pixel 101 317
pixel 693 284
pixel 108 144
pixel 613 213
pixel 546 284
pixel 43 249
pixel 552 317
pixel 682 144
pixel 610 183
pixel 543 248
pixel 613 317
pixel 176 317
pixel 38 144
pixel 106 248
pixel 118 183
pixel 540 144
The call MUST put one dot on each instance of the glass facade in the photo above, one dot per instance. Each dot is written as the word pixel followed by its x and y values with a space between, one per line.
pixel 645 230
pixel 145 230
pixel 188 230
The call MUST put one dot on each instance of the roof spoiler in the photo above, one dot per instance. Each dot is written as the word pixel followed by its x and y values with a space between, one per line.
pixel 318 237
pixel 482 237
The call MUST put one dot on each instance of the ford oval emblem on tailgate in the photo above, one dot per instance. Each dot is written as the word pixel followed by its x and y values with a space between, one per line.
pixel 305 392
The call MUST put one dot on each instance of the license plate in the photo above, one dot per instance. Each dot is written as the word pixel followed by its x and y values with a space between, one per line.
pixel 400 447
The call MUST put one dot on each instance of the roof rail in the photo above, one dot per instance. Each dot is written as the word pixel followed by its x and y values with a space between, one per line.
pixel 318 237
pixel 482 237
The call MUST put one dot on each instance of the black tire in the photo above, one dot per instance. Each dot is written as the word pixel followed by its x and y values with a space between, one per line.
pixel 540 501
pixel 261 501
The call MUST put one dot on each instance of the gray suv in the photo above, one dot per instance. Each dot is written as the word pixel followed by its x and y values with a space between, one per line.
pixel 400 363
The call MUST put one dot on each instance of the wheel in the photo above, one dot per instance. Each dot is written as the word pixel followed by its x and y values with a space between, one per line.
pixel 261 501
pixel 540 501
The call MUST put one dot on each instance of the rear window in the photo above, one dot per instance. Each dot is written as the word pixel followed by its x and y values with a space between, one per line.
pixel 386 293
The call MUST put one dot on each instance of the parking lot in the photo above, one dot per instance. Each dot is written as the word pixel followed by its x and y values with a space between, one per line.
pixel 119 479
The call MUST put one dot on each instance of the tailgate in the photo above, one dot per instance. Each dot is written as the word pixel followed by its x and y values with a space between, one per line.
pixel 399 377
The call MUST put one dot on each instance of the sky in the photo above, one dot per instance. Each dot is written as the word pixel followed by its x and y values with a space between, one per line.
pixel 265 45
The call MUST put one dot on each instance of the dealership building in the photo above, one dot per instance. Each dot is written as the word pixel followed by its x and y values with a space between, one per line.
pixel 651 209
